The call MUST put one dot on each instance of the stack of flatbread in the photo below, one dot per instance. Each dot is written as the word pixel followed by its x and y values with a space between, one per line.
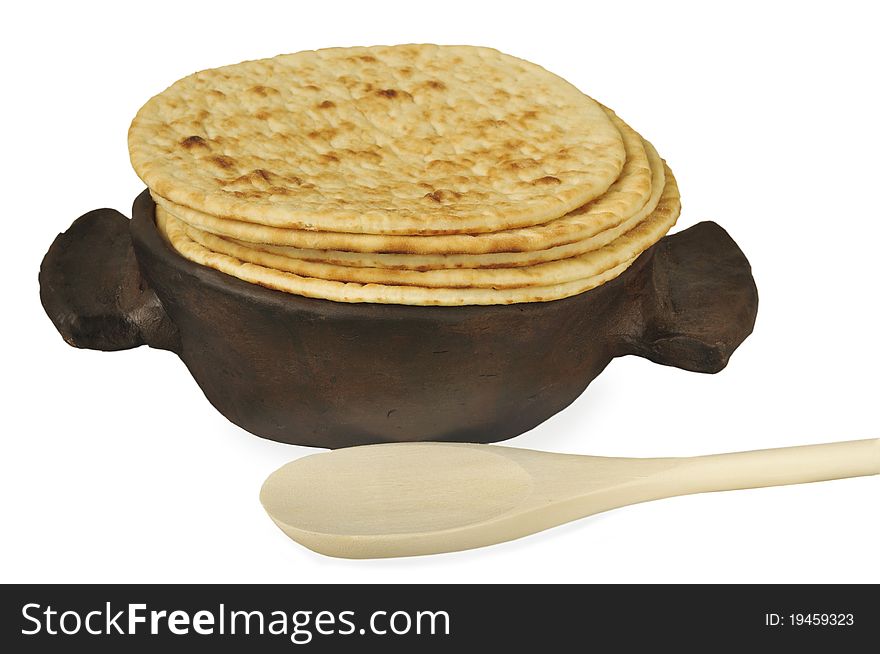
pixel 414 174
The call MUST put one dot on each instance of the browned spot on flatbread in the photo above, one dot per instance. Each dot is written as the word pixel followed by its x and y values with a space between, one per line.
pixel 194 141
pixel 263 91
pixel 442 195
pixel 223 161
pixel 520 164
pixel 327 133
pixel 547 180
pixel 326 104
pixel 257 176
pixel 367 156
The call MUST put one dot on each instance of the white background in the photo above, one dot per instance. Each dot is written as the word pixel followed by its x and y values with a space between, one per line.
pixel 116 469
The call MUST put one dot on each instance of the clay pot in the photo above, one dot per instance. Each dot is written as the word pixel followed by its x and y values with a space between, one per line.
pixel 329 374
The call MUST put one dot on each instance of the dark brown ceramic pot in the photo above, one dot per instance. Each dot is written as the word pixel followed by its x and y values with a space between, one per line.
pixel 328 374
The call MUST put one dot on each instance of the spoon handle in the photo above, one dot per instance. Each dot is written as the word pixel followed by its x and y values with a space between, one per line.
pixel 774 467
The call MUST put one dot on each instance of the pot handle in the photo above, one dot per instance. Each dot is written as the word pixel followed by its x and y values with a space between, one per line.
pixel 700 302
pixel 92 288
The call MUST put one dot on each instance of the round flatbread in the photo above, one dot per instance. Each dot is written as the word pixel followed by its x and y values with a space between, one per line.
pixel 413 139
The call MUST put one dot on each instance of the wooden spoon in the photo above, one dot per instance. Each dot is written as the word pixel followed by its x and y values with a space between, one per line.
pixel 406 499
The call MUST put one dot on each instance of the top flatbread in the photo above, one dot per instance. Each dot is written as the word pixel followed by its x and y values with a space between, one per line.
pixel 415 139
